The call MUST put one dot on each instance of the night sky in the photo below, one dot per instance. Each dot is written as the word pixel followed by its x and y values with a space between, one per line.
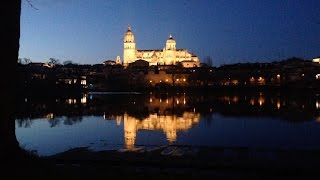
pixel 229 31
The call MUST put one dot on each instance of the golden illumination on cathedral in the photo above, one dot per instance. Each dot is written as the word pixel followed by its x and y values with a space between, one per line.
pixel 168 55
pixel 168 124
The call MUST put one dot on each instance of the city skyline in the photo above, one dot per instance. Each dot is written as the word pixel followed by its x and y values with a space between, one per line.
pixel 89 32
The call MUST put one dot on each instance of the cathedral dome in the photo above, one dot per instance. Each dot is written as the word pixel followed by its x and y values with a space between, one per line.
pixel 171 40
pixel 171 43
pixel 128 36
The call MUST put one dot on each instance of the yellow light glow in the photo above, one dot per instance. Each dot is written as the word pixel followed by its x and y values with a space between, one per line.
pixel 177 101
pixel 150 81
pixel 177 79
pixel 150 100
pixel 184 79
pixel 83 100
pixel 160 81
pixel 278 104
pixel 318 104
pixel 261 101
pixel 50 116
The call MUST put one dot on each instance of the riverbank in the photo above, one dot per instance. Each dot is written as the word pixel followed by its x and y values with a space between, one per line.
pixel 193 162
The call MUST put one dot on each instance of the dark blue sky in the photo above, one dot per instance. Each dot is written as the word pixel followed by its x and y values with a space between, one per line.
pixel 230 31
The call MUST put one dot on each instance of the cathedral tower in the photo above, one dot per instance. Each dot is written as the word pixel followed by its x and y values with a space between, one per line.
pixel 170 51
pixel 129 48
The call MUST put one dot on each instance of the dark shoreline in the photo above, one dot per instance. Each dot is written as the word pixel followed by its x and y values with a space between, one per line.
pixel 205 162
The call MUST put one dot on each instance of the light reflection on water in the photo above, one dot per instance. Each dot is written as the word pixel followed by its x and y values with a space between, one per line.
pixel 110 122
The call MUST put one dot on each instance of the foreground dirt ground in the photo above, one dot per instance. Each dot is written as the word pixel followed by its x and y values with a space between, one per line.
pixel 172 162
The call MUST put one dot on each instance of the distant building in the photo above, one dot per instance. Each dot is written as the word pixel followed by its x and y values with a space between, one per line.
pixel 109 62
pixel 316 60
pixel 168 55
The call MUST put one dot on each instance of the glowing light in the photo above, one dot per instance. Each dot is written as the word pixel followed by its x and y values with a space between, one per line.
pixel 83 100
pixel 134 102
pixel 235 99
pixel 50 116
pixel 184 100
pixel 278 104
pixel 167 80
pixel 150 81
pixel 167 101
pixel 318 76
pixel 160 81
pixel 83 82
pixel 278 76
pixel 302 75
pixel 150 100
pixel 261 101
pixel 318 104
pixel 184 79
pixel 160 100
pixel 194 110
pixel 177 79
pixel 177 101
pixel 25 99
pixel 252 101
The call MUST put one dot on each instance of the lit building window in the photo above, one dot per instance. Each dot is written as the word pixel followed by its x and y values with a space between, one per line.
pixel 184 79
pixel 84 82
pixel 177 79
pixel 278 76
pixel 167 80
pixel 150 81
pixel 83 100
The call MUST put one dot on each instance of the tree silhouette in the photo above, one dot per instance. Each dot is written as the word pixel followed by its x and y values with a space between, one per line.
pixel 10 32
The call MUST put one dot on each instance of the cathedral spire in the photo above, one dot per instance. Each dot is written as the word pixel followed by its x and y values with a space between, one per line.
pixel 129 27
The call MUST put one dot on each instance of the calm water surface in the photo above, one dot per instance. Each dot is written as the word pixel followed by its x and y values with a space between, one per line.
pixel 48 126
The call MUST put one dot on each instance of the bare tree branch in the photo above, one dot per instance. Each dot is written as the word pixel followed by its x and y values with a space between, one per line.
pixel 31 5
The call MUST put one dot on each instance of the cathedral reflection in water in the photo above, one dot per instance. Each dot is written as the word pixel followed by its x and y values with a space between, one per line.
pixel 161 119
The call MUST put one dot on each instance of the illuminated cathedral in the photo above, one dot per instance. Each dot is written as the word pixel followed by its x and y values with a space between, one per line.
pixel 167 56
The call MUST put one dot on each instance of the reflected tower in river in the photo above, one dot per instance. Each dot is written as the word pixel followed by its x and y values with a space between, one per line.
pixel 169 124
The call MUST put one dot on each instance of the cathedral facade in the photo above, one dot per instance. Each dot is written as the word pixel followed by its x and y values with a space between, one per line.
pixel 167 56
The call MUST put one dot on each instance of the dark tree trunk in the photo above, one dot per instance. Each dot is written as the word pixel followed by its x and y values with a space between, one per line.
pixel 10 35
